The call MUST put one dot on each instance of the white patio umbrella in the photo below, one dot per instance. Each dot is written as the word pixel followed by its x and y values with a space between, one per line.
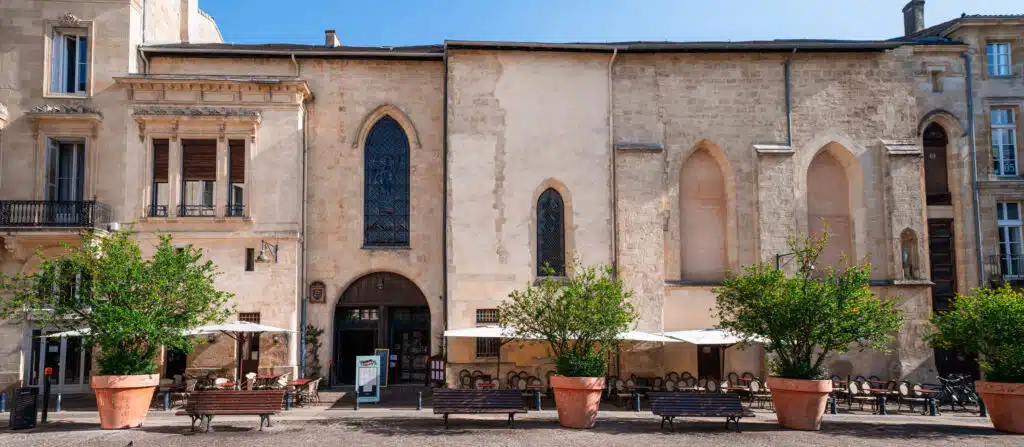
pixel 74 333
pixel 709 336
pixel 237 330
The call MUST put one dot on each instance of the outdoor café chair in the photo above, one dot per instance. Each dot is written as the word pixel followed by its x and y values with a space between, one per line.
pixel 466 382
pixel 670 385
pixel 759 394
pixel 860 395
pixel 711 385
pixel 672 376
pixel 910 395
pixel 657 383
pixel 702 384
pixel 513 381
pixel 734 379
pixel 748 376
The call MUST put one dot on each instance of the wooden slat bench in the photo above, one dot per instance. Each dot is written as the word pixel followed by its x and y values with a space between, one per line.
pixel 450 401
pixel 202 406
pixel 673 405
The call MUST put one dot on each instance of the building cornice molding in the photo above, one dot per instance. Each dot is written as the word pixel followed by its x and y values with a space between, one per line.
pixel 902 147
pixel 215 85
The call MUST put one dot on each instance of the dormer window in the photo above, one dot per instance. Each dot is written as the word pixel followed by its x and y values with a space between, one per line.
pixel 69 67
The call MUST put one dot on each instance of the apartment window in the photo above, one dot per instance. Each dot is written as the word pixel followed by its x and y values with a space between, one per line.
pixel 488 347
pixel 937 86
pixel 998 59
pixel 160 194
pixel 69 64
pixel 1004 142
pixel 236 178
pixel 486 316
pixel 250 259
pixel 1011 246
pixel 198 177
pixel 362 314
pixel 65 170
pixel 249 317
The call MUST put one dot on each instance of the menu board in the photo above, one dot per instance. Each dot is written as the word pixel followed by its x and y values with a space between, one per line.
pixel 368 378
pixel 384 357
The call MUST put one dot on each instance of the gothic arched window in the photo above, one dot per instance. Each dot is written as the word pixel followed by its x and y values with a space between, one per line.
pixel 550 233
pixel 386 185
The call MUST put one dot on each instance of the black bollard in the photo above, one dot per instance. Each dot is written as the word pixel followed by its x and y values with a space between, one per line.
pixel 982 411
pixel 3 402
pixel 46 394
pixel 881 406
pixel 167 400
pixel 636 401
pixel 832 405
pixel 536 395
pixel 287 401
pixel 357 403
pixel 419 401
pixel 60 397
pixel 932 411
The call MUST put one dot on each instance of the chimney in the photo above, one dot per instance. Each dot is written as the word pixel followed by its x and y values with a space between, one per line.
pixel 331 40
pixel 187 15
pixel 913 17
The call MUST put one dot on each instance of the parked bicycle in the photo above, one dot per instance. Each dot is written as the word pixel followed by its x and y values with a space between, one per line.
pixel 957 390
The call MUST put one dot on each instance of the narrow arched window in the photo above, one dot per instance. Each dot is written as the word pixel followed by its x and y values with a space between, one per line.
pixel 550 233
pixel 386 185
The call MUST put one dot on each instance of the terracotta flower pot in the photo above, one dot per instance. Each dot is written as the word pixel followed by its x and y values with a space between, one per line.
pixel 1005 404
pixel 123 400
pixel 577 400
pixel 800 404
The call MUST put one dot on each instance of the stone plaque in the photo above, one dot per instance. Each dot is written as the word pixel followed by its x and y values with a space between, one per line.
pixel 317 292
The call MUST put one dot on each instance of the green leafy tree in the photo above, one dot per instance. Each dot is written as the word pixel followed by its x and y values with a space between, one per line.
pixel 579 317
pixel 990 323
pixel 130 306
pixel 804 318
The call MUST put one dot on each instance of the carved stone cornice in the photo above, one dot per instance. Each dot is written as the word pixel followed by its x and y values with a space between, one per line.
pixel 181 112
pixel 215 84
pixel 69 20
pixel 902 147
pixel 56 116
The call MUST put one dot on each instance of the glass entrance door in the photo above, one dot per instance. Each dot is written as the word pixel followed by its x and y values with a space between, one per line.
pixel 70 360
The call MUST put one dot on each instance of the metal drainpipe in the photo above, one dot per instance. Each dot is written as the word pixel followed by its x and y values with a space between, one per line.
pixel 789 102
pixel 302 239
pixel 974 166
pixel 611 160
pixel 444 204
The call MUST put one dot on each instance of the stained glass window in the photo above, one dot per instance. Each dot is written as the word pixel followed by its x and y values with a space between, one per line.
pixel 550 233
pixel 386 186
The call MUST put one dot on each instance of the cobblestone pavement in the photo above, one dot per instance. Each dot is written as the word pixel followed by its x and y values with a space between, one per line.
pixel 409 428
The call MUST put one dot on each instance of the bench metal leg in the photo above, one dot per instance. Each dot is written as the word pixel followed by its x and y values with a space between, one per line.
pixel 194 419
pixel 446 421
pixel 512 420
pixel 209 421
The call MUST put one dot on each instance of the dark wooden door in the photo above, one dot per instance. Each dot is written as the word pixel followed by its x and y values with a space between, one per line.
pixel 943 262
pixel 709 361
pixel 353 343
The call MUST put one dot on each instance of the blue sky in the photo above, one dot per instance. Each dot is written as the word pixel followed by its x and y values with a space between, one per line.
pixel 412 22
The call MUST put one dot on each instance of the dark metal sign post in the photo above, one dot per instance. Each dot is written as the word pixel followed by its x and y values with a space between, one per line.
pixel 46 393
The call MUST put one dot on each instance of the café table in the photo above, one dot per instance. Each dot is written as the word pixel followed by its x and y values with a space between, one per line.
pixel 929 402
pixel 882 394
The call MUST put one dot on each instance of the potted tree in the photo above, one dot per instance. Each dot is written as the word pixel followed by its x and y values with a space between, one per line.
pixel 126 306
pixel 580 318
pixel 802 319
pixel 990 323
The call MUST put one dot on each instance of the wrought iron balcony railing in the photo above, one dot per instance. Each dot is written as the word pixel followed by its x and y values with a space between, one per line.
pixel 1006 267
pixel 235 210
pixel 156 211
pixel 43 214
pixel 196 211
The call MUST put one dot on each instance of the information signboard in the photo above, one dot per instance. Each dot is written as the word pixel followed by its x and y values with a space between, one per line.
pixel 383 354
pixel 368 378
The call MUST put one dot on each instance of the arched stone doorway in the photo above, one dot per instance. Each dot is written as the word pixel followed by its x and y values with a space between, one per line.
pixel 382 310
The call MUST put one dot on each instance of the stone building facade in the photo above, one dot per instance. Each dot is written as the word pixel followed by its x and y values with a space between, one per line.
pixel 394 193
